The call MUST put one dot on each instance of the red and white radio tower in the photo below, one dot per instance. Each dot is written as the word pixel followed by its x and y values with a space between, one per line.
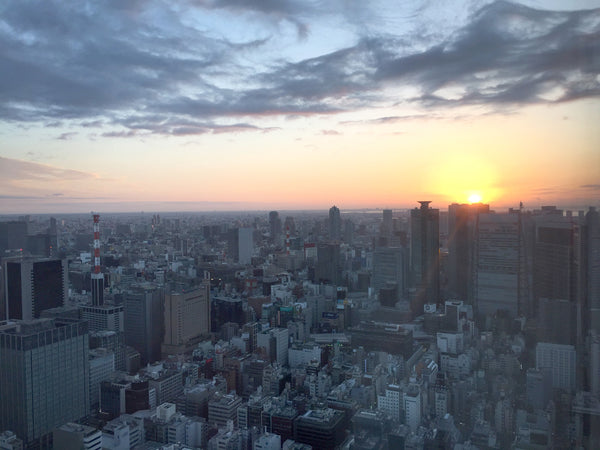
pixel 97 275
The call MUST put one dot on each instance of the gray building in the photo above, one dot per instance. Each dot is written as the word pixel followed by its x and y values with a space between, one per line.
pixel 424 254
pixel 44 376
pixel 144 321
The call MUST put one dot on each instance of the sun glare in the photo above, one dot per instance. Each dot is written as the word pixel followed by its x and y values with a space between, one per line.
pixel 475 198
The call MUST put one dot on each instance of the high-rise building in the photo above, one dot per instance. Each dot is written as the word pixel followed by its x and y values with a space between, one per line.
pixel 592 219
pixel 462 219
pixel 424 254
pixel 412 407
pixel 102 366
pixel 33 285
pixel 13 235
pixel 144 320
pixel 498 263
pixel 187 318
pixel 97 275
pixel 329 269
pixel 44 377
pixel 240 245
pixel 335 224
pixel 389 265
pixel 275 227
pixel 104 318
pixel 560 361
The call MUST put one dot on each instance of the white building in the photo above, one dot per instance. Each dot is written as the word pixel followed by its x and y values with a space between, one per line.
pixel 412 407
pixel 560 360
pixel 390 402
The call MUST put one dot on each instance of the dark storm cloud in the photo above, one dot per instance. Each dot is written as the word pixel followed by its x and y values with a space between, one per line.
pixel 107 64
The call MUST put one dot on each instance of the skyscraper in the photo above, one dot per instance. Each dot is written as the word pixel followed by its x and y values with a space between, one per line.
pixel 144 320
pixel 275 227
pixel 592 219
pixel 97 275
pixel 424 254
pixel 335 224
pixel 187 318
pixel 389 265
pixel 498 267
pixel 461 240
pixel 240 245
pixel 44 376
pixel 33 285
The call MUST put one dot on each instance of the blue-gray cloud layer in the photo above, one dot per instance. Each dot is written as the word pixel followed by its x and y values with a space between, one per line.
pixel 131 67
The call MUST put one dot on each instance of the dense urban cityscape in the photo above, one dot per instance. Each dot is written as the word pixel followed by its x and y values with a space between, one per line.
pixel 299 224
pixel 453 328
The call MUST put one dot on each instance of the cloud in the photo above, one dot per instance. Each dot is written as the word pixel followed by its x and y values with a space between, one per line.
pixel 15 169
pixel 147 68
pixel 592 187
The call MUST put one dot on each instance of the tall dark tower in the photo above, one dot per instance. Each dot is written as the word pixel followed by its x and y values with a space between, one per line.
pixel 97 275
pixel 424 255
pixel 33 285
pixel 335 224
pixel 275 227
pixel 462 220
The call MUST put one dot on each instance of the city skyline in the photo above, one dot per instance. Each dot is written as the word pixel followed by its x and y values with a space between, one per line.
pixel 211 105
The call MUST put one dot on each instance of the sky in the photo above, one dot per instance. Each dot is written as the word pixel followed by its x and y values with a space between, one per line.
pixel 128 105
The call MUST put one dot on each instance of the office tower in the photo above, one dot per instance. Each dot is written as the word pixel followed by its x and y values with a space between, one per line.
pixel 97 275
pixel 144 321
pixel 104 318
pixel 73 436
pixel 102 366
pixel 33 285
pixel 424 254
pixel 335 224
pixel 462 219
pixel 538 388
pixel 592 219
pixel 559 360
pixel 240 245
pixel 389 266
pixel 329 268
pixel 387 224
pixel 498 268
pixel 412 407
pixel 187 319
pixel 44 376
pixel 275 227
pixel 112 398
pixel 13 235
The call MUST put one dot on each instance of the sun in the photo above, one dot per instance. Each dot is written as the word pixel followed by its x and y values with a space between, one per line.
pixel 475 198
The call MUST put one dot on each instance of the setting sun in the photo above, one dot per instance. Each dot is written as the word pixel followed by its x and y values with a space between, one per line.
pixel 475 198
